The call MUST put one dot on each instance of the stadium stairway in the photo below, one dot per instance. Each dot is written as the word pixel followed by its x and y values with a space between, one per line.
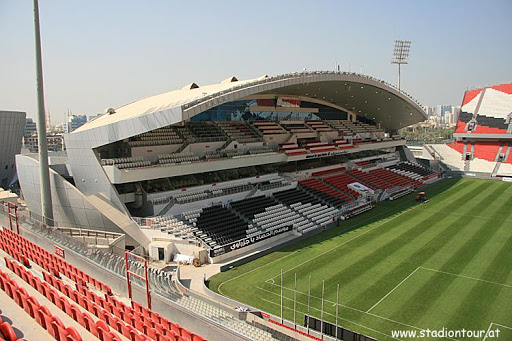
pixel 224 318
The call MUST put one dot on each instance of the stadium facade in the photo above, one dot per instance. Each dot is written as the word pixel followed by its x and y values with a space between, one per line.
pixel 12 125
pixel 483 134
pixel 226 167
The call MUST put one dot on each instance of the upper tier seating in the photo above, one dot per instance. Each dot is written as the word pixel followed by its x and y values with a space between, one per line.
pixel 319 126
pixel 296 127
pixel 239 131
pixel 269 127
pixel 127 162
pixel 203 132
pixel 160 136
pixel 326 193
pixel 168 159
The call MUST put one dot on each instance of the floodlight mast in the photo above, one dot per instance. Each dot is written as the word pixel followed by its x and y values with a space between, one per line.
pixel 400 55
pixel 44 170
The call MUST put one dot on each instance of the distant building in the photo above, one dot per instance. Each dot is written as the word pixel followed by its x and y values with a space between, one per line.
pixel 12 125
pixel 30 127
pixel 55 142
pixel 74 122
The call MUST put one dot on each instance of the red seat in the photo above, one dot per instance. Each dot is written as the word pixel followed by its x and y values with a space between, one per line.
pixel 175 328
pixel 73 334
pixel 127 331
pixel 77 315
pixel 59 331
pixel 90 325
pixel 197 338
pixel 7 331
pixel 115 323
pixel 43 317
pixel 150 332
pixel 31 306
pixel 185 333
pixel 64 305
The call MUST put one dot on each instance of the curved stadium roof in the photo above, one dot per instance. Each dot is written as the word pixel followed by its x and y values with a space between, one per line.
pixel 359 94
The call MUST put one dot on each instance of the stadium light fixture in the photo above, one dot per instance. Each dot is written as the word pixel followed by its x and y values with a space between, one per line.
pixel 400 55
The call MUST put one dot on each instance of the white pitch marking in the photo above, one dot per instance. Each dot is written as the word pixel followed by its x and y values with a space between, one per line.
pixel 341 318
pixel 468 277
pixel 341 305
pixel 389 293
pixel 490 326
pixel 348 241
pixel 487 332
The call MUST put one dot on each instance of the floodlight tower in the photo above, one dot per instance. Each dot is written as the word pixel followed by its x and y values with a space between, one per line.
pixel 400 55
pixel 44 169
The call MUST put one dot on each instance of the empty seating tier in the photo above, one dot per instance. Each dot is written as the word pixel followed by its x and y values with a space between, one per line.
pixel 415 168
pixel 394 178
pixel 239 131
pixel 219 225
pixel 369 180
pixel 295 195
pixel 204 132
pixel 341 181
pixel 324 192
pixel 250 207
pixel 113 318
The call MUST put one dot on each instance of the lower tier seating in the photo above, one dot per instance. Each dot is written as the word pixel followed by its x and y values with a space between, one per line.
pixel 341 181
pixel 324 192
pixel 295 195
pixel 250 207
pixel 395 179
pixel 217 225
pixel 40 313
pixel 112 317
pixel 370 180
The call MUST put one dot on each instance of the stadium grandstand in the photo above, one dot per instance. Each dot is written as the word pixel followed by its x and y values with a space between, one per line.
pixel 483 134
pixel 205 174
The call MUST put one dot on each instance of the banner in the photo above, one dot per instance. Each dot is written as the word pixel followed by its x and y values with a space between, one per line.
pixel 248 241
pixel 59 251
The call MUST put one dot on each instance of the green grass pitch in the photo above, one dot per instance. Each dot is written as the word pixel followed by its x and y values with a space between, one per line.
pixel 401 266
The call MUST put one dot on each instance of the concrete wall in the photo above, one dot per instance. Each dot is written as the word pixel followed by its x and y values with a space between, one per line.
pixel 12 127
pixel 70 207
pixel 152 152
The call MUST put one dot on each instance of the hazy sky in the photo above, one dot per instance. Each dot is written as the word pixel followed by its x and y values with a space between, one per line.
pixel 105 53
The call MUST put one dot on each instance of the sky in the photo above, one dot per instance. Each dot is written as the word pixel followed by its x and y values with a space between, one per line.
pixel 105 53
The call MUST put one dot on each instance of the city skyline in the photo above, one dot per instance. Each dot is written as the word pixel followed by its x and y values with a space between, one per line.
pixel 99 55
